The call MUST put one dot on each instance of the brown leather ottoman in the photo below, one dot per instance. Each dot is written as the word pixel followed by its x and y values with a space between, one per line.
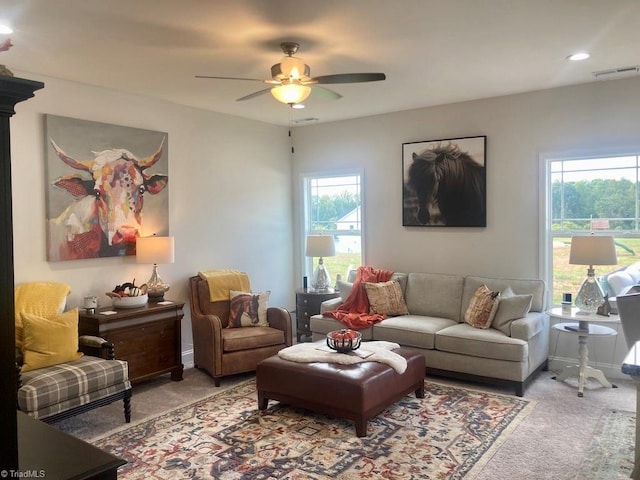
pixel 356 392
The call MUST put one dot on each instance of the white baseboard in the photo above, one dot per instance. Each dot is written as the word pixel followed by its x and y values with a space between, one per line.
pixel 556 364
pixel 187 358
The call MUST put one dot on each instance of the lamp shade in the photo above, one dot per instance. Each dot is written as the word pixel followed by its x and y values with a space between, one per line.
pixel 320 246
pixel 593 250
pixel 155 250
pixel 290 93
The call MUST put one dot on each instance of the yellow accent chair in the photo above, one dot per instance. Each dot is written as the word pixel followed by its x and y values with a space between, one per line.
pixel 223 351
pixel 59 373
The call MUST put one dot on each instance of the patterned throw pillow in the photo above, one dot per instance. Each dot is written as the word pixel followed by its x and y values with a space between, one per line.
pixel 386 298
pixel 248 309
pixel 482 308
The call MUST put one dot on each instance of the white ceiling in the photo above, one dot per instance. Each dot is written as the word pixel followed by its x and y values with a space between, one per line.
pixel 432 51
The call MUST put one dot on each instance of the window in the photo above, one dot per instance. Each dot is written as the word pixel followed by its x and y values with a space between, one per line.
pixel 590 194
pixel 333 206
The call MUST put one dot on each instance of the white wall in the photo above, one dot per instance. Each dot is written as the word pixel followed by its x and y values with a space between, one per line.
pixel 519 128
pixel 233 189
pixel 230 198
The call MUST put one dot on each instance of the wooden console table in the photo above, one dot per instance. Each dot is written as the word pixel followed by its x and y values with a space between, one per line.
pixel 148 337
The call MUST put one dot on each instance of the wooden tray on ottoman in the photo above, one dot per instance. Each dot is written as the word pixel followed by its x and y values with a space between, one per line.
pixel 355 392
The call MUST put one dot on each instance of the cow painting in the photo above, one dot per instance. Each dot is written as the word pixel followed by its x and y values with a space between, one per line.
pixel 105 216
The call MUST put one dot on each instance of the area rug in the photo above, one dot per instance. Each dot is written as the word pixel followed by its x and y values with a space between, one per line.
pixel 449 434
pixel 610 454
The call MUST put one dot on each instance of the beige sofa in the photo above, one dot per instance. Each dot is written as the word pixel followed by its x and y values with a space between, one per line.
pixel 508 355
pixel 622 281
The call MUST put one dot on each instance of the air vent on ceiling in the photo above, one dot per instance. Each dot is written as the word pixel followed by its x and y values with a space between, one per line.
pixel 306 120
pixel 620 71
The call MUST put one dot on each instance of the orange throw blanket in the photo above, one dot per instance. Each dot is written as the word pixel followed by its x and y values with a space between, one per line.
pixel 354 312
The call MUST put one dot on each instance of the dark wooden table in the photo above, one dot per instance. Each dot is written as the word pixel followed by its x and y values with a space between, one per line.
pixel 45 452
pixel 308 304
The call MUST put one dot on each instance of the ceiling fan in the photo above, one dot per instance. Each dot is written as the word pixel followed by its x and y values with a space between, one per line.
pixel 292 79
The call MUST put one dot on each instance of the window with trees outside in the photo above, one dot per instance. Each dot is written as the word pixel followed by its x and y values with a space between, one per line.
pixel 333 206
pixel 599 195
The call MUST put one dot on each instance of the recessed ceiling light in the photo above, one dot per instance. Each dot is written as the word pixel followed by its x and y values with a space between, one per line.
pixel 298 106
pixel 578 56
pixel 5 29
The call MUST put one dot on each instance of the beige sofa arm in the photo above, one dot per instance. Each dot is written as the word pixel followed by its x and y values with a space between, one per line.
pixel 330 304
pixel 530 325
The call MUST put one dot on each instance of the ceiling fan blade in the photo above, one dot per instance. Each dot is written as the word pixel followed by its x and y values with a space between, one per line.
pixel 253 95
pixel 327 93
pixel 349 78
pixel 231 78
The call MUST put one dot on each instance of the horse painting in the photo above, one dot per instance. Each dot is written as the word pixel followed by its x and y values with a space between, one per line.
pixel 444 186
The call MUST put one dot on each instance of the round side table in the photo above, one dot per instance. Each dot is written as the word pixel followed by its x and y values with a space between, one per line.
pixel 582 327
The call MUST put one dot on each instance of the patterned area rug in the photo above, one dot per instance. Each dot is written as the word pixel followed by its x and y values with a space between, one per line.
pixel 447 435
pixel 610 455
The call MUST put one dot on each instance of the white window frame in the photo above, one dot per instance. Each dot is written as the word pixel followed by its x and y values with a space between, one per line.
pixel 546 234
pixel 307 263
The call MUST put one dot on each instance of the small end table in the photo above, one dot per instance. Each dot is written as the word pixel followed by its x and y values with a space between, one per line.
pixel 308 304
pixel 581 325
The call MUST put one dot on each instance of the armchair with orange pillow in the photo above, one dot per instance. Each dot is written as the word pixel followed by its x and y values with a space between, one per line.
pixel 56 379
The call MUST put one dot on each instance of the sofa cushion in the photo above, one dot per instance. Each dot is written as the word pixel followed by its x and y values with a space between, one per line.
pixel 386 298
pixel 510 307
pixel 323 325
pixel 486 343
pixel 77 382
pixel 246 338
pixel 482 308
pixel 619 281
pixel 411 330
pixel 519 287
pixel 344 288
pixel 434 295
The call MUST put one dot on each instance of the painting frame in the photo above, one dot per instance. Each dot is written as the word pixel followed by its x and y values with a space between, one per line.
pixel 105 185
pixel 444 182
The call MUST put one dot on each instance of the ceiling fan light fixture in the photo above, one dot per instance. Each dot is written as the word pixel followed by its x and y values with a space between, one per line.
pixel 291 93
pixel 293 67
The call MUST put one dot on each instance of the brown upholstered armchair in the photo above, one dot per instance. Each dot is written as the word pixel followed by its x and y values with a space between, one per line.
pixel 223 351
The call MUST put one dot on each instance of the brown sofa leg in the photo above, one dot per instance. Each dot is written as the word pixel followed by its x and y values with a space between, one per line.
pixel 216 381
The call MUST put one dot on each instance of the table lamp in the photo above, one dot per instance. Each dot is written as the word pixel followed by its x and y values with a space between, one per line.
pixel 591 250
pixel 320 246
pixel 155 250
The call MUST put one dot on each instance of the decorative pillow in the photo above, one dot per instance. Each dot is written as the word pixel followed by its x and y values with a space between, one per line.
pixel 248 309
pixel 49 342
pixel 482 308
pixel 618 281
pixel 385 298
pixel 510 308
pixel 44 299
pixel 344 288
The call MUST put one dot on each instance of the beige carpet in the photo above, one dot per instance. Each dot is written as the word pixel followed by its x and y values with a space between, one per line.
pixel 552 442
